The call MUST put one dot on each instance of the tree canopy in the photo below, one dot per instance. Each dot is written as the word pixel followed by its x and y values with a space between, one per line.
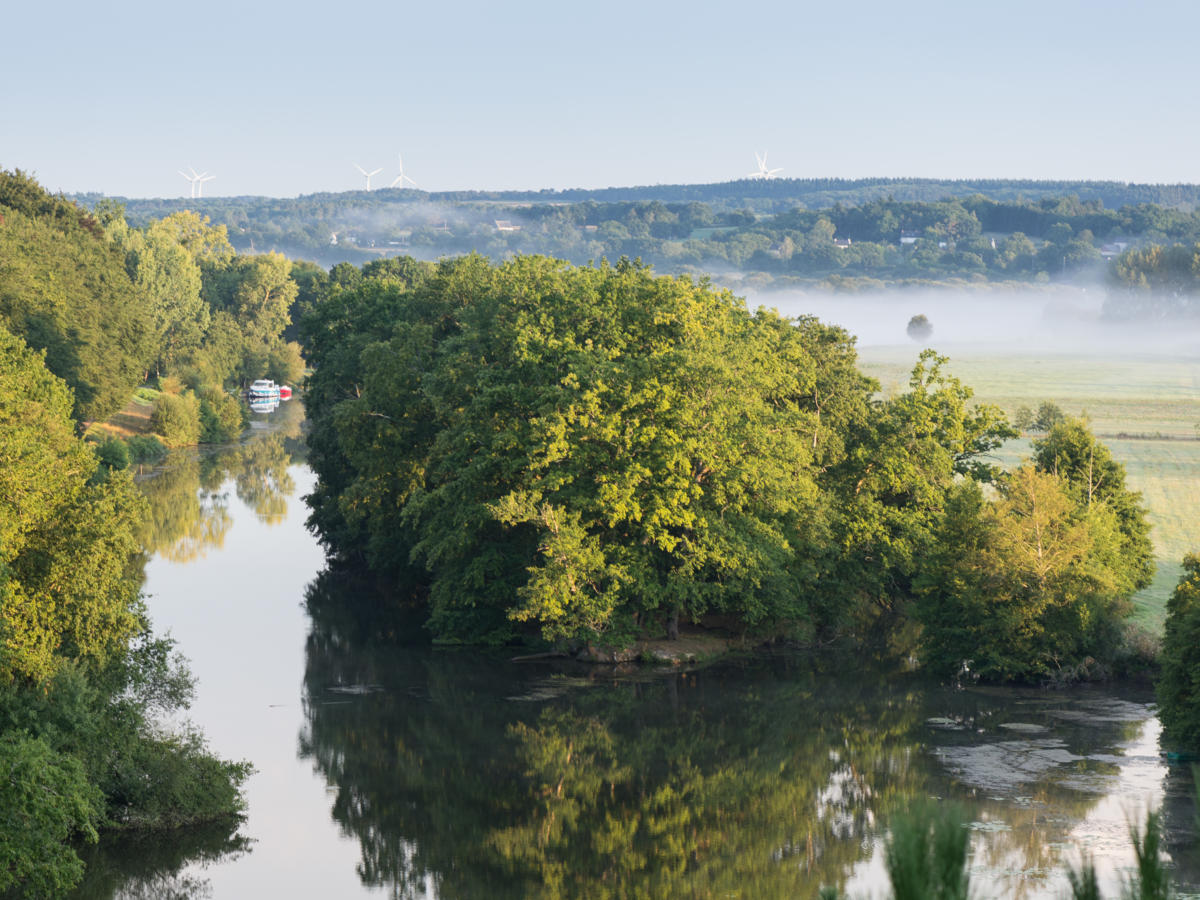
pixel 67 589
pixel 594 450
pixel 64 289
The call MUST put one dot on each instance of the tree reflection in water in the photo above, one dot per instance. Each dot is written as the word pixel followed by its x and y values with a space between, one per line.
pixel 189 510
pixel 159 866
pixel 462 773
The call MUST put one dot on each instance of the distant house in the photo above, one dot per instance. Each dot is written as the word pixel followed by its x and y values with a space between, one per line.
pixel 908 237
pixel 842 243
pixel 1113 250
pixel 505 225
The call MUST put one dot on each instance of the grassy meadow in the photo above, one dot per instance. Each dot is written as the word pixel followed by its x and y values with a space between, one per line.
pixel 1146 408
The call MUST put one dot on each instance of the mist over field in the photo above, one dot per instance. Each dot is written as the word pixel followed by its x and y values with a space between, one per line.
pixel 1058 320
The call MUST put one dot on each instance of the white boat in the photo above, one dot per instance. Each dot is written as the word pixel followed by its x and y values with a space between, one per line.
pixel 263 389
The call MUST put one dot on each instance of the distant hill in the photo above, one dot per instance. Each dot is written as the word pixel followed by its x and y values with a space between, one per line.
pixel 762 195
pixel 783 231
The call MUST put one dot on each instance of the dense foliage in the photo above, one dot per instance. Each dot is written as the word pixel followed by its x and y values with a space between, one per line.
pixel 780 232
pixel 81 678
pixel 600 453
pixel 64 290
pixel 1156 282
pixel 67 589
pixel 111 304
pixel 1179 683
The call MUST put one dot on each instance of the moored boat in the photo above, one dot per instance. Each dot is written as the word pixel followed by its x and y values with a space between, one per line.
pixel 264 389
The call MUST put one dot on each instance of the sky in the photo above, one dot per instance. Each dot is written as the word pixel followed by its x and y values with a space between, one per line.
pixel 285 99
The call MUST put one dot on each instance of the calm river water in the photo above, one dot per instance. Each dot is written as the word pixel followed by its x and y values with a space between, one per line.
pixel 394 769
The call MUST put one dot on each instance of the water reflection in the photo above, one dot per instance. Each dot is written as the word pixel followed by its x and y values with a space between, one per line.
pixel 190 515
pixel 462 774
pixel 157 866
pixel 189 511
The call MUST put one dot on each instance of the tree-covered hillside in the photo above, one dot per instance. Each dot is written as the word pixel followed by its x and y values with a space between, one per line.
pixel 780 232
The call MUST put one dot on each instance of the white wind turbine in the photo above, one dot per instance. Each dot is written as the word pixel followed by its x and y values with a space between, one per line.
pixel 763 171
pixel 368 175
pixel 401 178
pixel 197 180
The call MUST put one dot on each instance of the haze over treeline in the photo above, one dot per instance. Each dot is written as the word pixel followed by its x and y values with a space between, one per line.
pixel 751 234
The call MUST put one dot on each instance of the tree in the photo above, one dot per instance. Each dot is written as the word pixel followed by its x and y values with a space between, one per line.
pixel 1094 478
pixel 205 243
pixel 1048 415
pixel 1178 684
pixel 1021 588
pixel 601 445
pixel 64 289
pixel 892 487
pixel 68 585
pixel 263 296
pixel 47 802
pixel 919 328
pixel 1023 418
pixel 168 276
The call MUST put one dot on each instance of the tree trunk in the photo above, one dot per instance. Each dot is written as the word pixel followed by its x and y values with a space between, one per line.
pixel 673 625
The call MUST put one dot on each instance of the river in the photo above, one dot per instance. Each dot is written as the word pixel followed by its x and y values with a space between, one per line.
pixel 388 767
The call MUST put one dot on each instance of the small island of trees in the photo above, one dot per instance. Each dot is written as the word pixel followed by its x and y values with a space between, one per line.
pixel 590 454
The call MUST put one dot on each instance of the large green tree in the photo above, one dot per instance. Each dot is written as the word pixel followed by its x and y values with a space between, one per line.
pixel 890 490
pixel 68 588
pixel 1026 587
pixel 168 275
pixel 1094 479
pixel 604 446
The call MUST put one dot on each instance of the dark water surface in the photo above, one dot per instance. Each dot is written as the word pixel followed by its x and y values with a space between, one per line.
pixel 412 772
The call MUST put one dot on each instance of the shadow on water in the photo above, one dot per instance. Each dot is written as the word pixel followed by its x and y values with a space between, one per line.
pixel 462 774
pixel 161 866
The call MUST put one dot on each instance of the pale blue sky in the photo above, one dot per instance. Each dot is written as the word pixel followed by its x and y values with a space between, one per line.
pixel 283 99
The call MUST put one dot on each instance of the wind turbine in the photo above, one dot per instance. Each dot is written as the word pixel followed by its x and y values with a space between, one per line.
pixel 197 180
pixel 401 178
pixel 367 175
pixel 763 171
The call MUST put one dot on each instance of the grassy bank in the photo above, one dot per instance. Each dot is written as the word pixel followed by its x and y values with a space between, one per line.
pixel 1145 408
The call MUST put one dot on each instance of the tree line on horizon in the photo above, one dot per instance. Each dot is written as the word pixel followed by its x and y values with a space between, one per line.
pixel 848 241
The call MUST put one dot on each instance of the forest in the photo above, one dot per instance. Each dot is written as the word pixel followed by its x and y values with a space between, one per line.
pixel 844 235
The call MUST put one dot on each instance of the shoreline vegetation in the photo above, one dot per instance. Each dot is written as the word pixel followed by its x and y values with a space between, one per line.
pixel 548 456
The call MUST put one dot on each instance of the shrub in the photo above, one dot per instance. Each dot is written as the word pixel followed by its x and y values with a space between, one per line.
pixel 927 855
pixel 169 384
pixel 145 448
pixel 222 417
pixel 113 453
pixel 177 419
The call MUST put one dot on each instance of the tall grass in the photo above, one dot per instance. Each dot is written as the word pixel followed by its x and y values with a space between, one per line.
pixel 1084 885
pixel 1150 881
pixel 927 854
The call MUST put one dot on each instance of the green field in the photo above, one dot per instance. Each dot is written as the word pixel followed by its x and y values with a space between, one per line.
pixel 1146 409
